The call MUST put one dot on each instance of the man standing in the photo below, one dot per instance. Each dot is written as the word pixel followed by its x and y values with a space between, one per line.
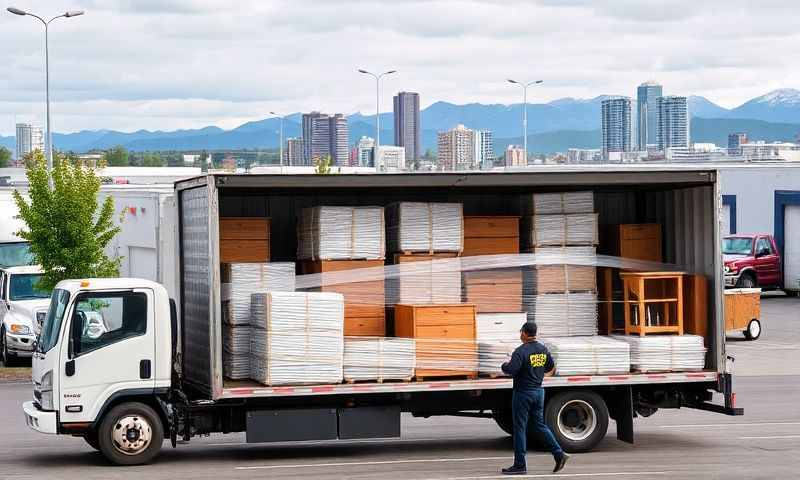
pixel 529 364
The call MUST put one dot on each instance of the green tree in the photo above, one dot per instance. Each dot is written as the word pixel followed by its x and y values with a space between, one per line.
pixel 67 227
pixel 151 159
pixel 116 157
pixel 5 157
pixel 323 165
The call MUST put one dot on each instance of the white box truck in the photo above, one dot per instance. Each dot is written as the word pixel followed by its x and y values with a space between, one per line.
pixel 159 375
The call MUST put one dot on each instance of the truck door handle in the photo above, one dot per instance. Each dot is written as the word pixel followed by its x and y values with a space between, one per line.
pixel 144 369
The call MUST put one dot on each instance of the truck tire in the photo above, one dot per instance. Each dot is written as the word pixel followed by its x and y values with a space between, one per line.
pixel 747 280
pixel 578 419
pixel 792 293
pixel 6 358
pixel 92 439
pixel 131 434
pixel 504 420
pixel 753 330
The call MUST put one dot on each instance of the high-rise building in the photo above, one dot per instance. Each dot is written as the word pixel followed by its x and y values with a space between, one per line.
pixel 325 135
pixel 647 114
pixel 390 158
pixel 735 142
pixel 515 156
pixel 407 124
pixel 456 149
pixel 616 126
pixel 293 153
pixel 673 122
pixel 29 138
pixel 365 152
pixel 484 148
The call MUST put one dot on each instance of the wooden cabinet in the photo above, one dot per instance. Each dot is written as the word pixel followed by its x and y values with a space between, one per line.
pixel 653 302
pixel 494 291
pixel 639 241
pixel 491 235
pixel 244 239
pixel 444 335
pixel 364 301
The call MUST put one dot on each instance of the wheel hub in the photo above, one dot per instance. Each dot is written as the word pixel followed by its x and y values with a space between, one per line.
pixel 577 420
pixel 132 435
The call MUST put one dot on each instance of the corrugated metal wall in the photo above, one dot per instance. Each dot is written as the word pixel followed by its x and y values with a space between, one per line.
pixel 195 282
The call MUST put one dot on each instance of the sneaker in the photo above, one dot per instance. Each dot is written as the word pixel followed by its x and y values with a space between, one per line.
pixel 515 470
pixel 560 462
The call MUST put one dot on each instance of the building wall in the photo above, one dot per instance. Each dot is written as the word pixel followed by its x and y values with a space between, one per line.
pixel 647 114
pixel 28 138
pixel 616 125
pixel 673 122
pixel 456 149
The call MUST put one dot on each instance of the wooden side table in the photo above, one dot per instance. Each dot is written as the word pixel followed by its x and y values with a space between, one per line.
pixel 653 302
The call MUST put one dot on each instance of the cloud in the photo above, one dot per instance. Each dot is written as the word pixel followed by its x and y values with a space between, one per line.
pixel 163 64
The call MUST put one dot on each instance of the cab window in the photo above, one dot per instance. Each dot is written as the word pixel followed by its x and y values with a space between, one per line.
pixel 763 244
pixel 101 319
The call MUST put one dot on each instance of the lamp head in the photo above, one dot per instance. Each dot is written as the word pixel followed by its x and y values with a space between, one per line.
pixel 539 81
pixel 74 13
pixel 17 11
pixel 390 71
pixel 361 70
pixel 511 81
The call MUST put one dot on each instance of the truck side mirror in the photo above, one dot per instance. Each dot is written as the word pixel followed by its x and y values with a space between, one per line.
pixel 763 252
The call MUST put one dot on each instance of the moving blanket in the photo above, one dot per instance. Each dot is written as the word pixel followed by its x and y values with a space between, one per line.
pixel 341 233
pixel 378 358
pixel 425 227
pixel 298 338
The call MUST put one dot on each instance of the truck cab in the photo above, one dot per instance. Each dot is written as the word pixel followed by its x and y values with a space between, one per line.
pixel 104 344
pixel 752 260
pixel 22 307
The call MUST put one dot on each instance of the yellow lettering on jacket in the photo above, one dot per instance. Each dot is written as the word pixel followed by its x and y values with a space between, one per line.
pixel 538 360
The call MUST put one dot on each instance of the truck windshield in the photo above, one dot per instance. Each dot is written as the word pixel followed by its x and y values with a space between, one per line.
pixel 52 323
pixel 15 254
pixel 24 287
pixel 737 246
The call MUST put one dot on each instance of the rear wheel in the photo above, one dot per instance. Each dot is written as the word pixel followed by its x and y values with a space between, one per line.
pixel 578 419
pixel 753 330
pixel 131 434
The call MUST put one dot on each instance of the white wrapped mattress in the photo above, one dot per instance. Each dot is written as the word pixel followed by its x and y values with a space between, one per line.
pixel 666 353
pixel 341 233
pixel 499 327
pixel 236 351
pixel 241 280
pixel 435 281
pixel 491 355
pixel 425 227
pixel 298 338
pixel 558 230
pixel 563 314
pixel 589 355
pixel 553 203
pixel 378 358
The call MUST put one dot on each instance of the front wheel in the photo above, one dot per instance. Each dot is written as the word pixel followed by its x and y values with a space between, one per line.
pixel 6 358
pixel 131 434
pixel 578 418
pixel 753 330
pixel 746 281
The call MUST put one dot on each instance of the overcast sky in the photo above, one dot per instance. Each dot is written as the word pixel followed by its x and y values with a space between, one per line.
pixel 169 64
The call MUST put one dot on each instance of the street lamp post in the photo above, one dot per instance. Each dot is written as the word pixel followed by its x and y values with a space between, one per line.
pixel 281 154
pixel 69 14
pixel 525 112
pixel 377 103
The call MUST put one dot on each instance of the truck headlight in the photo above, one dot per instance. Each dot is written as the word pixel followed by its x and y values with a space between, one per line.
pixel 47 391
pixel 18 329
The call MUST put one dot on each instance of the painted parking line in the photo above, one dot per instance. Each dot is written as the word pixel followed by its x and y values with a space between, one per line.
pixel 772 437
pixel 559 475
pixel 708 425
pixel 376 462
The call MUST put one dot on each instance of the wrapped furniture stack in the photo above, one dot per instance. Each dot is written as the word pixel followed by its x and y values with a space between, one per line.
pixel 333 240
pixel 297 338
pixel 378 359
pixel 431 233
pixel 244 239
pixel 665 353
pixel 497 335
pixel 493 290
pixel 444 336
pixel 589 355
pixel 561 289
pixel 239 282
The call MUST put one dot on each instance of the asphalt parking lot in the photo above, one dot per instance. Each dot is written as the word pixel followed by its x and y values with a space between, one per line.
pixel 677 444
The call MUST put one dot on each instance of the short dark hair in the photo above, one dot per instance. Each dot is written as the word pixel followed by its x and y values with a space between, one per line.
pixel 529 328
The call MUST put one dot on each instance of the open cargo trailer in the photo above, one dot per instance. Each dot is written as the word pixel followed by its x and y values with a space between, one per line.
pixel 686 202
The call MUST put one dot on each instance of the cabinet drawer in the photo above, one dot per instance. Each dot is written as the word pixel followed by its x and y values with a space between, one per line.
pixel 445 315
pixel 454 332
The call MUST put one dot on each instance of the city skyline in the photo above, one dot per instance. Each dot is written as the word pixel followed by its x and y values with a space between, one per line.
pixel 459 62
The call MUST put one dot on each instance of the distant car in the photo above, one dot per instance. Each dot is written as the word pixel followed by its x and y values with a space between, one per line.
pixel 752 260
pixel 23 306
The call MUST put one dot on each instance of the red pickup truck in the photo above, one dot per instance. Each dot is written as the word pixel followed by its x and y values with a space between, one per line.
pixel 752 260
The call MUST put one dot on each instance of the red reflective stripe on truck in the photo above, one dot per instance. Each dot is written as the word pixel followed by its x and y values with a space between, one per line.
pixel 696 375
pixel 579 379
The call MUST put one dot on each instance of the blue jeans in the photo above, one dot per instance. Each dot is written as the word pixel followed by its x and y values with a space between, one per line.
pixel 528 406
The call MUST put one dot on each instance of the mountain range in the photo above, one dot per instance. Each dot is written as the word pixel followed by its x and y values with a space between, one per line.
pixel 553 126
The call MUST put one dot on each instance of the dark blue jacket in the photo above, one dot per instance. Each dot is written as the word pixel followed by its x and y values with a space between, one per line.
pixel 528 364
